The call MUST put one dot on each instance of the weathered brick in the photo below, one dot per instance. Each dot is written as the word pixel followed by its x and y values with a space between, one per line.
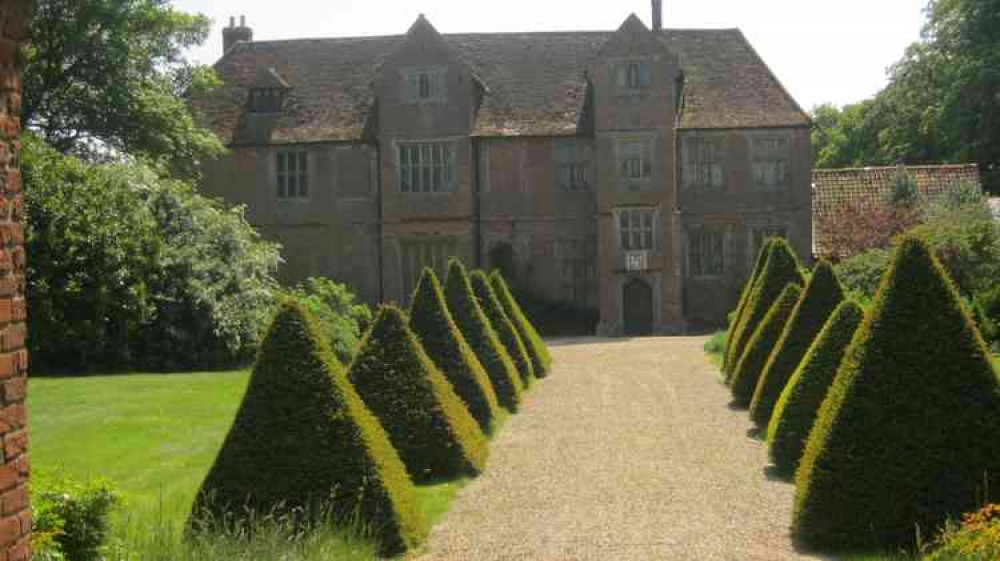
pixel 10 475
pixel 21 550
pixel 15 443
pixel 14 501
pixel 10 530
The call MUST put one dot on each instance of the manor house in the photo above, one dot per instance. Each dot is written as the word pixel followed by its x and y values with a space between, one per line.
pixel 634 171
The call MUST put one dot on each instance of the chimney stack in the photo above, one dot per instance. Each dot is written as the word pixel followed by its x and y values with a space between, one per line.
pixel 234 34
pixel 657 15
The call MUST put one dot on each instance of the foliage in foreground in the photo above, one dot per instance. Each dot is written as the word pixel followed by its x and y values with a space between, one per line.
pixel 821 295
pixel 906 437
pixel 795 412
pixel 432 430
pixel 501 323
pixel 341 316
pixel 129 270
pixel 747 371
pixel 976 538
pixel 444 343
pixel 541 360
pixel 69 518
pixel 780 269
pixel 481 337
pixel 302 440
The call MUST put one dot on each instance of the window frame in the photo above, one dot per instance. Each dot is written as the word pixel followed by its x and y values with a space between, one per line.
pixel 695 234
pixel 637 155
pixel 706 155
pixel 424 84
pixel 777 157
pixel 640 231
pixel 412 170
pixel 572 165
pixel 291 172
pixel 276 100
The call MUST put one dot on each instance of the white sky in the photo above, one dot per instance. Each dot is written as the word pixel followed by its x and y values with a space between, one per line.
pixel 822 50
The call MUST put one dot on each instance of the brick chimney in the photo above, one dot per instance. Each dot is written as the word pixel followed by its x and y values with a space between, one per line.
pixel 233 34
pixel 657 15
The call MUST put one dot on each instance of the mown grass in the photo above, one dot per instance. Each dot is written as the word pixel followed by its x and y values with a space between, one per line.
pixel 155 437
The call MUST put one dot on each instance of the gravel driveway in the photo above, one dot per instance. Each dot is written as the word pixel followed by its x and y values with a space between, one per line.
pixel 627 451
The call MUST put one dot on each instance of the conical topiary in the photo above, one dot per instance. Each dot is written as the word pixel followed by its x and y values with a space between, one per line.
pixel 748 369
pixel 795 412
pixel 444 343
pixel 302 438
pixel 428 424
pixel 907 435
pixel 780 269
pixel 541 361
pixel 821 295
pixel 476 328
pixel 505 330
pixel 745 295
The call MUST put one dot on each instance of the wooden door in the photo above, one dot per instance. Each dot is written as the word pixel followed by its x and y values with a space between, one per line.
pixel 638 308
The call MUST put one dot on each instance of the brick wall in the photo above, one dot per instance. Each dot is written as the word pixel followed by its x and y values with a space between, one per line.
pixel 15 518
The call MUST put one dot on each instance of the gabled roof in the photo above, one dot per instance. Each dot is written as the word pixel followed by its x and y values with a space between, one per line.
pixel 535 83
pixel 865 188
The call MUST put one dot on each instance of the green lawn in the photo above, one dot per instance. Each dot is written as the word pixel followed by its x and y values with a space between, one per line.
pixel 154 436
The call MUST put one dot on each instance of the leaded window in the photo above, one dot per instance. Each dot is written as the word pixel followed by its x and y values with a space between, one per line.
pixel 770 163
pixel 265 100
pixel 706 160
pixel 293 174
pixel 636 227
pixel 706 251
pixel 635 159
pixel 426 167
pixel 571 166
pixel 424 84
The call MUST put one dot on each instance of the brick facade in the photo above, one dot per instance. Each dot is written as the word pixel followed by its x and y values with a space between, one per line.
pixel 15 517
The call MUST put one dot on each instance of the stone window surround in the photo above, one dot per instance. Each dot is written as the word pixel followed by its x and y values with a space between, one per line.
pixel 572 158
pixel 265 101
pixel 451 143
pixel 282 176
pixel 654 211
pixel 753 228
pixel 689 232
pixel 782 176
pixel 424 84
pixel 697 168
pixel 648 142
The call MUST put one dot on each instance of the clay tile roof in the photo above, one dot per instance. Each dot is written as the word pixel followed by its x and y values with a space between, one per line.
pixel 872 186
pixel 535 84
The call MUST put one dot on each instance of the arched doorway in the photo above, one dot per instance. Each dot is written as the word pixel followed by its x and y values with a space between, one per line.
pixel 637 305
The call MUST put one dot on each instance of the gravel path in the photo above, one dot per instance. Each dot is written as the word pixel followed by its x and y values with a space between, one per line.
pixel 628 451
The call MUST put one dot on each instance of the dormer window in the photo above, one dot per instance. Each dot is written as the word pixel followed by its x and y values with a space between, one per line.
pixel 633 75
pixel 424 84
pixel 265 100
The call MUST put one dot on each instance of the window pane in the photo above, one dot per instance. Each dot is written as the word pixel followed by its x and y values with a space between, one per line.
pixel 645 74
pixel 304 185
pixel 281 186
pixel 292 186
pixel 303 162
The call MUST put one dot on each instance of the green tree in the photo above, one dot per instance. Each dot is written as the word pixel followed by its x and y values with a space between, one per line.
pixel 341 316
pixel 111 74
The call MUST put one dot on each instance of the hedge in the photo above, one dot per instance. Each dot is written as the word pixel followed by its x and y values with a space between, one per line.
pixel 444 343
pixel 482 338
pixel 302 438
pixel 748 369
pixel 907 435
pixel 795 412
pixel 431 428
pixel 505 330
pixel 822 294
pixel 541 361
pixel 744 296
pixel 780 269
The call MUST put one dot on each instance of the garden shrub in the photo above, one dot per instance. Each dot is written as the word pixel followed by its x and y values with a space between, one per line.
pixel 132 271
pixel 303 440
pixel 795 412
pixel 342 318
pixel 474 325
pixel 821 295
pixel 69 518
pixel 734 318
pixel 747 371
pixel 505 330
pixel 780 269
pixel 434 433
pixel 541 361
pixel 976 538
pixel 447 348
pixel 907 435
